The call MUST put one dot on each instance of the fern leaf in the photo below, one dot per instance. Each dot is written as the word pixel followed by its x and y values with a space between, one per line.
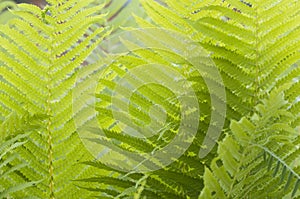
pixel 244 171
pixel 40 52
pixel 255 47
pixel 14 133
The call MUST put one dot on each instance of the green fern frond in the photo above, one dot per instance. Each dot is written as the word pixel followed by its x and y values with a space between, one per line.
pixel 46 55
pixel 162 184
pixel 255 46
pixel 169 181
pixel 40 52
pixel 242 36
pixel 256 160
pixel 14 133
pixel 15 123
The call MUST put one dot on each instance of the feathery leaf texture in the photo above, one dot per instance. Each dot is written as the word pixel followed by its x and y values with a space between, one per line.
pixel 255 45
pixel 257 159
pixel 40 52
pixel 141 101
pixel 18 128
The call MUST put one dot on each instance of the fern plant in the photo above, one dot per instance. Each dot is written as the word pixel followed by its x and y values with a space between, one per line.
pixel 169 182
pixel 256 48
pixel 40 53
pixel 259 158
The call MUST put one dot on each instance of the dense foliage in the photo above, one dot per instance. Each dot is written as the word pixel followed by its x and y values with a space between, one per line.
pixel 254 44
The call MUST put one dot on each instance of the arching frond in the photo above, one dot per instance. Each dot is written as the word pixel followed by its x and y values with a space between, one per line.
pixel 259 158
pixel 256 49
pixel 40 52
pixel 49 58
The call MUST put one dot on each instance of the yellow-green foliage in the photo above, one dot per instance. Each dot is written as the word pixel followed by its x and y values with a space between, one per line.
pixel 259 158
pixel 40 52
pixel 255 46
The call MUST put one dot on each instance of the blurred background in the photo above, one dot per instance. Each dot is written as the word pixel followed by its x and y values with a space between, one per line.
pixel 40 3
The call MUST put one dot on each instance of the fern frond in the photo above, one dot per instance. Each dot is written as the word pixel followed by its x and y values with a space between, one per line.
pixel 8 155
pixel 40 52
pixel 168 182
pixel 257 158
pixel 255 46
pixel 243 34
pixel 14 133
